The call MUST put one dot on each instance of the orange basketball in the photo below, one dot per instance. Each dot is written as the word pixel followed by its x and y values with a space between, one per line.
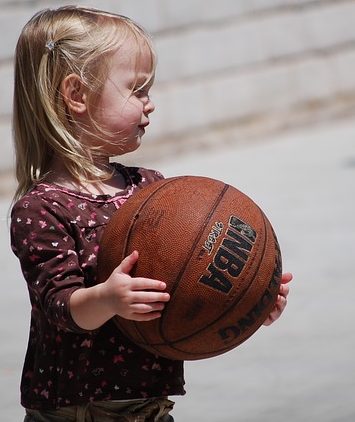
pixel 217 253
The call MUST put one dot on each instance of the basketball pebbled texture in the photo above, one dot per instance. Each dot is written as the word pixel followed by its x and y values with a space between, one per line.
pixel 216 251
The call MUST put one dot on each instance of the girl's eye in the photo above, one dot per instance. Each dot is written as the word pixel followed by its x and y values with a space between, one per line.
pixel 141 91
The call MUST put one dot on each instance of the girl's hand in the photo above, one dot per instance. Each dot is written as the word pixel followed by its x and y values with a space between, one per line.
pixel 281 299
pixel 138 299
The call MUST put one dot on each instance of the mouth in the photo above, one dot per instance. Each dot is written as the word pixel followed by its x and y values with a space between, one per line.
pixel 143 126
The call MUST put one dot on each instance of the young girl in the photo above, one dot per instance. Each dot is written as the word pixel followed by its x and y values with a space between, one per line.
pixel 82 81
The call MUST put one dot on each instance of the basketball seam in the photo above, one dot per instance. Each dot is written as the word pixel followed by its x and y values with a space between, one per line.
pixel 189 255
pixel 172 344
pixel 128 236
pixel 232 346
pixel 129 231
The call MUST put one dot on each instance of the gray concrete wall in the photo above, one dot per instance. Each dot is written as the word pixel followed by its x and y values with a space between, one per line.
pixel 229 70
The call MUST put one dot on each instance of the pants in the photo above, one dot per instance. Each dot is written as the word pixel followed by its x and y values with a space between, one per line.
pixel 150 410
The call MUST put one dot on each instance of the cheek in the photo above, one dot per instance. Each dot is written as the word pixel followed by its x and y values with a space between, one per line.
pixel 120 116
pixel 132 110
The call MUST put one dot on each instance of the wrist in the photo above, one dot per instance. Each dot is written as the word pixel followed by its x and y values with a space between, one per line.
pixel 89 307
pixel 104 299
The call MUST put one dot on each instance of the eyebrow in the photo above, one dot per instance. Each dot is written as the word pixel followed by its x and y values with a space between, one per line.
pixel 146 80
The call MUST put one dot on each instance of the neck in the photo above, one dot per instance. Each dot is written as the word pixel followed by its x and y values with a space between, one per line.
pixel 61 176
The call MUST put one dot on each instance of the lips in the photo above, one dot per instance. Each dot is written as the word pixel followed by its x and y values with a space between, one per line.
pixel 143 126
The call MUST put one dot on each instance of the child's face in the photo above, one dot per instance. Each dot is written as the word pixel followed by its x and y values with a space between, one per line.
pixel 123 109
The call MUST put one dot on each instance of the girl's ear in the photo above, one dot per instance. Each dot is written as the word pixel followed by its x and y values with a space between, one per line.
pixel 74 93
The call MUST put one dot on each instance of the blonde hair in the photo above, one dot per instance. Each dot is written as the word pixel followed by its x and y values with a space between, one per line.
pixel 53 45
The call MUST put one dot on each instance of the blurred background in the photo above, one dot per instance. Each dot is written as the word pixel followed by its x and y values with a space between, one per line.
pixel 229 70
pixel 261 94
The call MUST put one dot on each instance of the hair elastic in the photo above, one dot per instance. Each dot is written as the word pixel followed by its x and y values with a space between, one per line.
pixel 50 45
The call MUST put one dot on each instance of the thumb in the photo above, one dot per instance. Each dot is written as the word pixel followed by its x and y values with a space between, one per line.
pixel 128 263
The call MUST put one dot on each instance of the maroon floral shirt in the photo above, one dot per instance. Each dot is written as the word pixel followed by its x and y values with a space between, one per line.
pixel 55 233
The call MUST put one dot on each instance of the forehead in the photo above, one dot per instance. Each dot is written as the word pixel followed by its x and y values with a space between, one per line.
pixel 133 57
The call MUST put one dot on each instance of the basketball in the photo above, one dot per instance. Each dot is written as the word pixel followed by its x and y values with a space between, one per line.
pixel 216 251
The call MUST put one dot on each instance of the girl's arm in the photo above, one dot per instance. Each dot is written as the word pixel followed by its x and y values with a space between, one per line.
pixel 133 298
pixel 139 299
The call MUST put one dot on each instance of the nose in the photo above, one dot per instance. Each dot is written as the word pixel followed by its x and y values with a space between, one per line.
pixel 148 107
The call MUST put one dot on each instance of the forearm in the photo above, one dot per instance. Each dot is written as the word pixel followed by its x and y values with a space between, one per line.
pixel 88 308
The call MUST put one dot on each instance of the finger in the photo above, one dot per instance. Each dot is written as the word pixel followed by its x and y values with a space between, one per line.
pixel 268 321
pixel 286 278
pixel 149 297
pixel 128 263
pixel 141 283
pixel 277 311
pixel 284 290
pixel 144 308
pixel 272 317
pixel 281 303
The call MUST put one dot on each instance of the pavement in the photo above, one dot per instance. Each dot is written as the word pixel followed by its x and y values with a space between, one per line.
pixel 300 369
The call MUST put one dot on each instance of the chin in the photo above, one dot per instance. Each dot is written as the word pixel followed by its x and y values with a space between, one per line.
pixel 130 148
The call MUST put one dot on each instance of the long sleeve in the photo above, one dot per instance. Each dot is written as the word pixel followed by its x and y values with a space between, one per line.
pixel 46 250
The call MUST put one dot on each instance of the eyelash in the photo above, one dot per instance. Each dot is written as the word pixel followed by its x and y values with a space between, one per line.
pixel 141 92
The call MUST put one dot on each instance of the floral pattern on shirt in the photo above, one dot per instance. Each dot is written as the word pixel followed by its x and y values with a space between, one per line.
pixel 55 233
